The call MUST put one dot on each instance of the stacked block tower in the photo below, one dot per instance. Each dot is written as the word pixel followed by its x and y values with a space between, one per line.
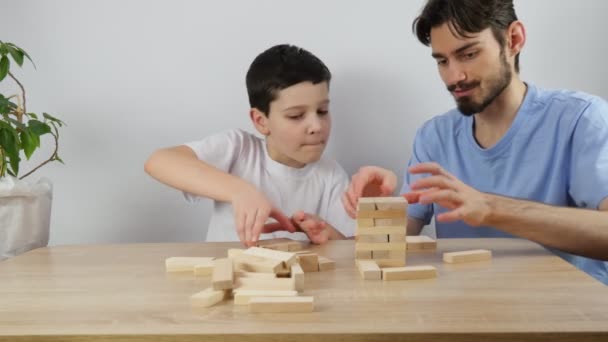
pixel 381 230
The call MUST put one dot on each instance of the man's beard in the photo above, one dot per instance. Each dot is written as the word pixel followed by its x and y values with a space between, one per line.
pixel 467 106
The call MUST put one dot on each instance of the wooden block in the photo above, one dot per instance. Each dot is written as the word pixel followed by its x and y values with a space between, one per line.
pixel 234 252
pixel 326 264
pixel 223 276
pixel 365 222
pixel 203 269
pixel 380 255
pixel 396 255
pixel 186 264
pixel 467 256
pixel 397 246
pixel 380 238
pixel 363 255
pixel 397 203
pixel 245 274
pixel 286 257
pixel 390 262
pixel 409 273
pixel 379 230
pixel 207 297
pixel 281 304
pixel 420 242
pixel 366 203
pixel 297 274
pixel 309 262
pixel 242 297
pixel 377 214
pixel 251 263
pixel 396 237
pixel 369 270
pixel 391 222
pixel 265 284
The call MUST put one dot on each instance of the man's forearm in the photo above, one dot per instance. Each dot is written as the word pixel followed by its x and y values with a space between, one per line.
pixel 574 230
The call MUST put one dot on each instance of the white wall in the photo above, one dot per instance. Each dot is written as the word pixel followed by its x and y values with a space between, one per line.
pixel 131 76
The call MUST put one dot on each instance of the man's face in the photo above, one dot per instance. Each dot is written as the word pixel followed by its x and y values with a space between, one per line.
pixel 474 69
pixel 299 124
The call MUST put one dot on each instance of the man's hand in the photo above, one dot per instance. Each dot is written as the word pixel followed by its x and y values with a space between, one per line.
pixel 251 210
pixel 464 202
pixel 369 181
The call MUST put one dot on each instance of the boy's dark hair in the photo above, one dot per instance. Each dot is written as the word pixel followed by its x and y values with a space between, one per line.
pixel 464 17
pixel 278 68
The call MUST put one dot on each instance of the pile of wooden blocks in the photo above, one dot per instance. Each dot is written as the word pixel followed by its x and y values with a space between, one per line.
pixel 381 242
pixel 266 280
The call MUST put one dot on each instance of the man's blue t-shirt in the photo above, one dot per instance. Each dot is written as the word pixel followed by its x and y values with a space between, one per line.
pixel 555 152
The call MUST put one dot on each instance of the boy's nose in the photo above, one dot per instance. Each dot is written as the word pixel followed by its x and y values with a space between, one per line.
pixel 314 125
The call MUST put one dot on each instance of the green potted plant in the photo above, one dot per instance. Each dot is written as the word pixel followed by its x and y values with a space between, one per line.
pixel 25 206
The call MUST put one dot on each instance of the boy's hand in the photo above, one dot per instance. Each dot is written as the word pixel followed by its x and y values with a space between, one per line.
pixel 314 226
pixel 251 210
pixel 369 181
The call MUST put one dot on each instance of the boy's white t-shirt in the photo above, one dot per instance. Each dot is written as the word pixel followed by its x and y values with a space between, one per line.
pixel 316 188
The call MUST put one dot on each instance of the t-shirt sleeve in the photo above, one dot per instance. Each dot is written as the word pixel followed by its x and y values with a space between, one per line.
pixel 336 214
pixel 220 150
pixel 419 155
pixel 588 184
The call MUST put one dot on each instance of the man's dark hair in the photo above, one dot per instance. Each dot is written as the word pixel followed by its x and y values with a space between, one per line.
pixel 465 17
pixel 278 68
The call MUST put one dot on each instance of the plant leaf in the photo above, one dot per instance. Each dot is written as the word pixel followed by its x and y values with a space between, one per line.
pixel 29 143
pixel 4 64
pixel 39 128
pixel 9 141
pixel 51 118
pixel 17 55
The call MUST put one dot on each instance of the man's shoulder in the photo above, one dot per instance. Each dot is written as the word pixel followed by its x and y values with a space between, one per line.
pixel 449 122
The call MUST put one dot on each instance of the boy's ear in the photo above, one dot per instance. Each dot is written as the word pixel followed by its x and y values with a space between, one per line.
pixel 260 121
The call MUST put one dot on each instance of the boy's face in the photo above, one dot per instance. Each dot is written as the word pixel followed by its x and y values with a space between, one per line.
pixel 475 70
pixel 298 124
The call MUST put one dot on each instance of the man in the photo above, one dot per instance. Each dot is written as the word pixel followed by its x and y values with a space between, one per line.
pixel 512 159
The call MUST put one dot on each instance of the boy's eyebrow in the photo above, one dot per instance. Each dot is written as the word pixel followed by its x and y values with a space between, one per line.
pixel 326 101
pixel 457 51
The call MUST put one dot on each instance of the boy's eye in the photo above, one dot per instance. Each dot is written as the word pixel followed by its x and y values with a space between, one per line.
pixel 323 112
pixel 296 117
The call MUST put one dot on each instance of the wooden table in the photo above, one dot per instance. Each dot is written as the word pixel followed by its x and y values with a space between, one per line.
pixel 121 292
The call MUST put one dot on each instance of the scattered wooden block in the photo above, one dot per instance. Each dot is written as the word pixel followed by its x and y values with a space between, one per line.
pixel 245 274
pixel 369 270
pixel 309 262
pixel 326 264
pixel 390 262
pixel 287 258
pixel 282 244
pixel 203 269
pixel 297 274
pixel 420 242
pixel 265 284
pixel 467 256
pixel 223 276
pixel 363 255
pixel 186 264
pixel 234 252
pixel 251 263
pixel 207 297
pixel 242 297
pixel 281 304
pixel 409 273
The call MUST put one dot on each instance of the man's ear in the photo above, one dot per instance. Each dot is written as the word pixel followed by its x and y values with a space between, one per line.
pixel 516 38
pixel 260 121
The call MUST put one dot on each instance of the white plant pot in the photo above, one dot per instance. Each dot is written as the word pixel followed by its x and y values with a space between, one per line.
pixel 25 215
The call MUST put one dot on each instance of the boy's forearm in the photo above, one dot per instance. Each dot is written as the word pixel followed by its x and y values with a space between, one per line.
pixel 578 231
pixel 179 168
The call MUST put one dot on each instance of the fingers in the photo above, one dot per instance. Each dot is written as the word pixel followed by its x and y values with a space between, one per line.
pixel 249 221
pixel 447 198
pixel 239 219
pixel 272 227
pixel 451 216
pixel 348 206
pixel 283 220
pixel 441 182
pixel 411 197
pixel 358 183
pixel 258 225
pixel 432 168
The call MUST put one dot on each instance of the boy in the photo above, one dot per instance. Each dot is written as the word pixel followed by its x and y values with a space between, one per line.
pixel 251 179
